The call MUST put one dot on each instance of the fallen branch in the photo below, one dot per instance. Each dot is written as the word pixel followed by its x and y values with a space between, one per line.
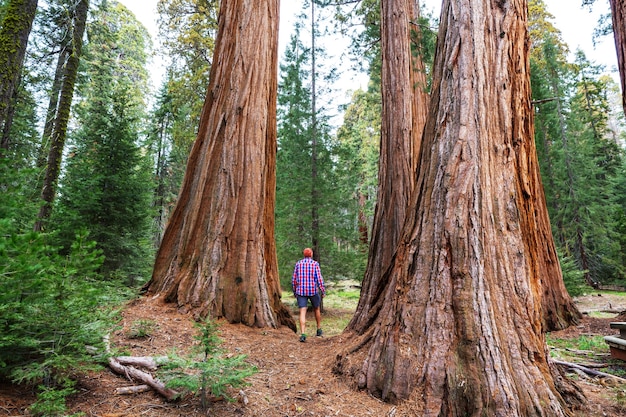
pixel 131 372
pixel 589 371
pixel 136 389
pixel 147 362
pixel 134 373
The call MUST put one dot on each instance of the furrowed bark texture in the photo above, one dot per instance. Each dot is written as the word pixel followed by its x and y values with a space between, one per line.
pixel 218 254
pixel 618 13
pixel 460 331
pixel 404 111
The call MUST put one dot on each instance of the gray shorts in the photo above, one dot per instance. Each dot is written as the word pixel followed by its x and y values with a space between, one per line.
pixel 316 300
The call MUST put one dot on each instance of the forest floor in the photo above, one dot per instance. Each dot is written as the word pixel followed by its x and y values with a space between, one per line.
pixel 293 378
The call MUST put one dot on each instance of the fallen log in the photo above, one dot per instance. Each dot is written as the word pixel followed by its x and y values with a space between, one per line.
pixel 588 371
pixel 144 377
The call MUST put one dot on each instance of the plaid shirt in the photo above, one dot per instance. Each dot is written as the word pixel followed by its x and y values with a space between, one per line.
pixel 306 275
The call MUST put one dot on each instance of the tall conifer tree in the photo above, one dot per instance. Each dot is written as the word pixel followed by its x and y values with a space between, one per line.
pixel 107 187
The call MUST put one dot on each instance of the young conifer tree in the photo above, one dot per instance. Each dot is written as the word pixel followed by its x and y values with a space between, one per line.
pixel 107 188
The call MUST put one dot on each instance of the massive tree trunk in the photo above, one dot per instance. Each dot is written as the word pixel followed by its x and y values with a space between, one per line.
pixel 14 33
pixel 618 12
pixel 218 255
pixel 61 119
pixel 459 330
pixel 405 103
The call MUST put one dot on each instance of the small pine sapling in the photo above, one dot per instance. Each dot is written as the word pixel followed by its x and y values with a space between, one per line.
pixel 213 374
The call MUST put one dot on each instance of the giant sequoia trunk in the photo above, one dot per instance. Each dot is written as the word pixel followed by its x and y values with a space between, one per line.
pixel 14 32
pixel 218 254
pixel 459 331
pixel 405 101
pixel 618 12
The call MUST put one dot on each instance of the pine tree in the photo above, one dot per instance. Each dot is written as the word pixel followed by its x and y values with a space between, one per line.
pixel 188 29
pixel 293 160
pixel 577 153
pixel 107 188
pixel 168 169
pixel 316 207
pixel 58 132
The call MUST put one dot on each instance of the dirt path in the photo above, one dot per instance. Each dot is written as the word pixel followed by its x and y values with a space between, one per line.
pixel 293 379
pixel 601 302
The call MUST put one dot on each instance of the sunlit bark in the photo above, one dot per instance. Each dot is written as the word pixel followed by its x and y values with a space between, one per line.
pixel 405 101
pixel 459 330
pixel 218 255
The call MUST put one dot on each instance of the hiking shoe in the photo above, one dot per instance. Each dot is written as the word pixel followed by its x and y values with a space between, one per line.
pixel 303 338
pixel 319 333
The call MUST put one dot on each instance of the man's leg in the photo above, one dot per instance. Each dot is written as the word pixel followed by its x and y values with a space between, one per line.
pixel 317 309
pixel 318 319
pixel 302 320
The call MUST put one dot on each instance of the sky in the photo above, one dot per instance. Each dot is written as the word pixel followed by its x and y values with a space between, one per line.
pixel 575 23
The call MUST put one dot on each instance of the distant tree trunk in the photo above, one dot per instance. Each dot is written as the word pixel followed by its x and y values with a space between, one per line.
pixel 405 104
pixel 53 104
pixel 10 114
pixel 315 192
pixel 14 33
pixel 59 129
pixel 618 12
pixel 362 220
pixel 218 253
pixel 160 174
pixel 459 328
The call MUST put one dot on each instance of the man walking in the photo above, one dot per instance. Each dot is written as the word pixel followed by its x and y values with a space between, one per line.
pixel 308 284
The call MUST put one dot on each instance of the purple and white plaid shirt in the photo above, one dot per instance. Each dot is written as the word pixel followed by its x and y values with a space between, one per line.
pixel 306 275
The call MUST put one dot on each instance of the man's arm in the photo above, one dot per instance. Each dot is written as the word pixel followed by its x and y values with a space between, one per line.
pixel 320 279
pixel 294 280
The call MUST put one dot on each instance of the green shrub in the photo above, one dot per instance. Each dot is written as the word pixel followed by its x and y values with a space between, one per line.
pixel 573 277
pixel 51 309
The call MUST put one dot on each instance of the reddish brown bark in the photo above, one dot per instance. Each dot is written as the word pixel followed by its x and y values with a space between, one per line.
pixel 218 255
pixel 404 98
pixel 459 330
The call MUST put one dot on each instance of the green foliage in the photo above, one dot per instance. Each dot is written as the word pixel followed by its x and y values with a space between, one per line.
pixel 51 400
pixel 51 308
pixel 169 157
pixel 583 343
pixel 214 374
pixel 573 277
pixel 579 157
pixel 316 202
pixel 188 29
pixel 23 133
pixel 107 187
